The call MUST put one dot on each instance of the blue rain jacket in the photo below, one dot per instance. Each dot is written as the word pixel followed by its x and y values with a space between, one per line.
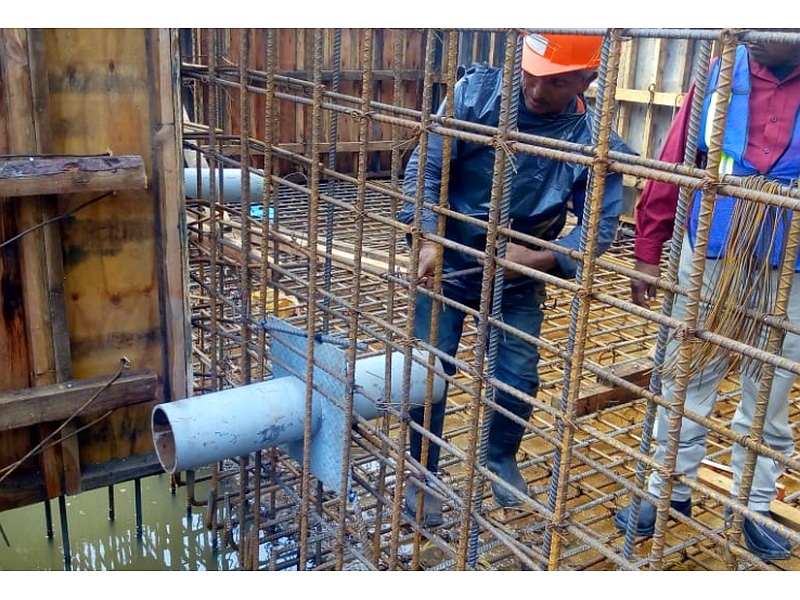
pixel 541 188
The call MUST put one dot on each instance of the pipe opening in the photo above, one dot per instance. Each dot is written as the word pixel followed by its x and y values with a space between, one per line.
pixel 164 440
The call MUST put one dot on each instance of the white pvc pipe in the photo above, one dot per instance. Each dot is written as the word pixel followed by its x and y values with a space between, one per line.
pixel 369 400
pixel 205 429
pixel 230 188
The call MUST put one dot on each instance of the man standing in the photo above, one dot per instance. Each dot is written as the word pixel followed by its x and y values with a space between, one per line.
pixel 762 138
pixel 556 71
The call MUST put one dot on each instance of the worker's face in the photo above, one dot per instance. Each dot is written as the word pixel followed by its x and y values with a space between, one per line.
pixel 775 54
pixel 552 94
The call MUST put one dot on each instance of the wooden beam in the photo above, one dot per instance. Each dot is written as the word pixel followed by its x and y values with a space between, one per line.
pixel 373 261
pixel 595 396
pixel 57 402
pixel 671 99
pixel 168 190
pixel 68 175
pixel 723 483
pixel 728 472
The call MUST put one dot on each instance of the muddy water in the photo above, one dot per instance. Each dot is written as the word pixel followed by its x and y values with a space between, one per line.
pixel 172 538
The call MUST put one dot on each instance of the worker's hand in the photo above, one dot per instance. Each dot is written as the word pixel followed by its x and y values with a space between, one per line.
pixel 541 260
pixel 641 292
pixel 427 262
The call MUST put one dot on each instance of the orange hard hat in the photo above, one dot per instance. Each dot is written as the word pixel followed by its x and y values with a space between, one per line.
pixel 551 54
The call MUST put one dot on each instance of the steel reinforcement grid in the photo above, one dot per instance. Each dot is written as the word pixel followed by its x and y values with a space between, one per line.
pixel 303 182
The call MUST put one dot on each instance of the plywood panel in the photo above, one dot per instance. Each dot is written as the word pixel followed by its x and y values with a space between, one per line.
pixel 99 101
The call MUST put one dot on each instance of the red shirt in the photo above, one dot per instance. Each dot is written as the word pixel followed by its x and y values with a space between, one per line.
pixel 773 109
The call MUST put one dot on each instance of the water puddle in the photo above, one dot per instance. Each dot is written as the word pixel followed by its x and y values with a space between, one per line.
pixel 171 539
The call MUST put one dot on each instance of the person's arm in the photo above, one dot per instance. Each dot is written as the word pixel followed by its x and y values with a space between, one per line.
pixel 655 212
pixel 432 181
pixel 431 189
pixel 560 264
pixel 431 186
pixel 610 210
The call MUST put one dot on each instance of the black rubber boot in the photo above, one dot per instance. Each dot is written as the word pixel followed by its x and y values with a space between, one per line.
pixel 502 461
pixel 505 437
pixel 431 515
pixel 432 505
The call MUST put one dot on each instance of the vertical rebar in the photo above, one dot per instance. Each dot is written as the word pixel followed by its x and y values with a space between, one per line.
pixel 679 229
pixel 62 513
pixel 265 284
pixel 137 496
pixel 396 186
pixel 581 304
pixel 110 490
pixel 245 317
pixel 48 519
pixel 364 123
pixel 331 188
pixel 312 269
pixel 493 279
pixel 425 121
pixel 686 352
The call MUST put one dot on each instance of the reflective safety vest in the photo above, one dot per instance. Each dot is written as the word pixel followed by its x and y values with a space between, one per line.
pixel 733 161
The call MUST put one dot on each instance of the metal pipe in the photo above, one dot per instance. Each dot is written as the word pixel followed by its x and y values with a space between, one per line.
pixel 234 422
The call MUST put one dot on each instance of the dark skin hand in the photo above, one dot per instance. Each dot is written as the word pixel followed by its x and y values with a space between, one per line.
pixel 427 261
pixel 641 292
pixel 541 260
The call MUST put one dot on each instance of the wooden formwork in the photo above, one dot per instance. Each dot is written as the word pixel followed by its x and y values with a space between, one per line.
pixel 93 328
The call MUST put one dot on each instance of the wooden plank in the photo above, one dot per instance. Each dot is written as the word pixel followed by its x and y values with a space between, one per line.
pixel 13 341
pixel 113 472
pixel 26 488
pixel 671 99
pixel 627 71
pixel 68 175
pixel 100 84
pixel 168 187
pixel 595 396
pixel 111 248
pixel 373 261
pixel 57 402
pixel 21 490
pixel 721 482
pixel 649 120
pixel 728 472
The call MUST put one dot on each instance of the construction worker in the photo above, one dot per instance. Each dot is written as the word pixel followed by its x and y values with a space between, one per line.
pixel 556 71
pixel 762 137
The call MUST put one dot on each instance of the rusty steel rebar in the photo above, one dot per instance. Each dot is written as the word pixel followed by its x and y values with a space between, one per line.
pixel 333 244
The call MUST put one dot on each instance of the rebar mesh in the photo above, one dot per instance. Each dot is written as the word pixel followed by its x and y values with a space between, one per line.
pixel 322 249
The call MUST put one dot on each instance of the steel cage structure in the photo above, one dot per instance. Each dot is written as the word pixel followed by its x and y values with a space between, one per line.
pixel 295 143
